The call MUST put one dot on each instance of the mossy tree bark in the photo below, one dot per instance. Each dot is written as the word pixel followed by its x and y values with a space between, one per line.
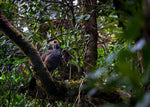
pixel 28 49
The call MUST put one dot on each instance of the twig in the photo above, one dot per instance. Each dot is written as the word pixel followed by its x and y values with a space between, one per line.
pixel 78 97
pixel 70 70
pixel 35 99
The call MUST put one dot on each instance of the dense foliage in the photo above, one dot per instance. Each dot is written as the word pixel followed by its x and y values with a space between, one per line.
pixel 123 48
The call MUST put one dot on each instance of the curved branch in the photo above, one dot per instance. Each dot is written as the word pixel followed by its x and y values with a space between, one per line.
pixel 28 49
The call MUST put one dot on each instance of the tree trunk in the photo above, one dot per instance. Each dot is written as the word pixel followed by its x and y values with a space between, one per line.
pixel 89 7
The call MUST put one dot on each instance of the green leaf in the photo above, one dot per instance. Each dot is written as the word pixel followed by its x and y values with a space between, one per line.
pixel 2 77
